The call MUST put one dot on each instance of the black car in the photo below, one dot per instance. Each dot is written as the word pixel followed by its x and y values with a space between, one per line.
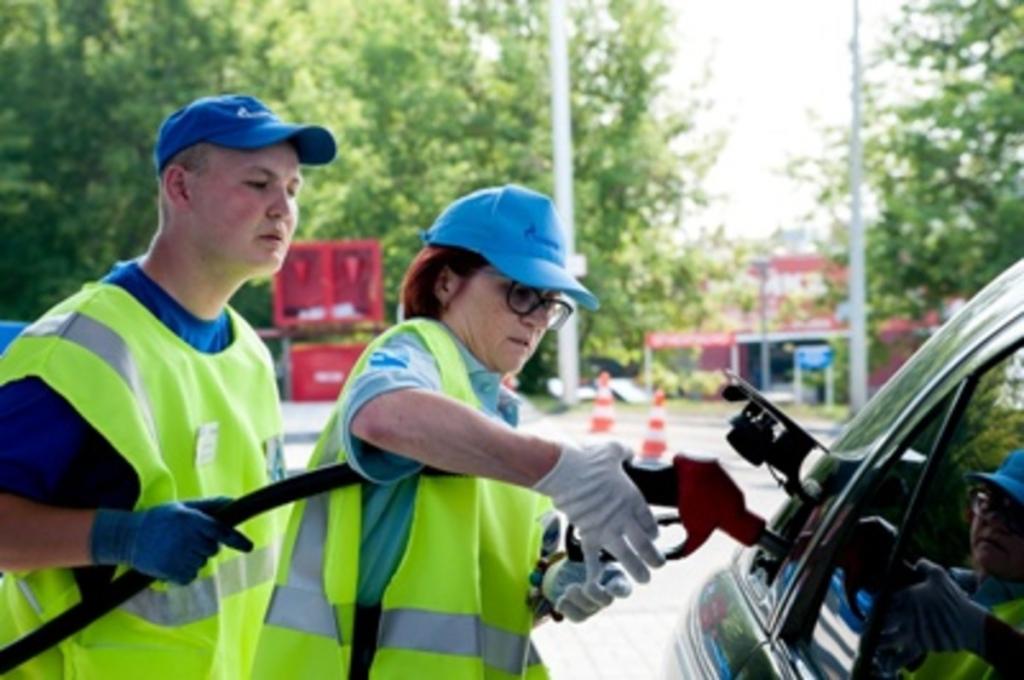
pixel 892 489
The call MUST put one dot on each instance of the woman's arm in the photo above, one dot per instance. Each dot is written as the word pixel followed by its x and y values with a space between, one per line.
pixel 441 432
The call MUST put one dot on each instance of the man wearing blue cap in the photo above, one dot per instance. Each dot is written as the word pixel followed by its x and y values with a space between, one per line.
pixel 141 401
pixel 418 575
pixel 964 620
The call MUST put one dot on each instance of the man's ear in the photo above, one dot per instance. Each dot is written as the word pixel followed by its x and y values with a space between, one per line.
pixel 175 186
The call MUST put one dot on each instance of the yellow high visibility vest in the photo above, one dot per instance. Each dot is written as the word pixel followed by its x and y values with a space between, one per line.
pixel 456 606
pixel 965 665
pixel 150 394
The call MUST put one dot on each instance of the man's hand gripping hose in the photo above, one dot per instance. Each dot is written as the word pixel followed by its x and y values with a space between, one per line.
pixel 131 582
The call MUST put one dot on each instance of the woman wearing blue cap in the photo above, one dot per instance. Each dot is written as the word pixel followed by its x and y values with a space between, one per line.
pixel 426 575
pixel 962 622
pixel 126 407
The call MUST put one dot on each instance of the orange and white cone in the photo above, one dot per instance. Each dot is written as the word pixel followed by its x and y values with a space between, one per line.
pixel 602 418
pixel 655 443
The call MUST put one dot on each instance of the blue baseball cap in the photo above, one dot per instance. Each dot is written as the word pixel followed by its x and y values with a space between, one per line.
pixel 517 231
pixel 237 121
pixel 1009 477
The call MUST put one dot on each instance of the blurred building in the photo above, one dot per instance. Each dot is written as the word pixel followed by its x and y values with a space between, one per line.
pixel 789 304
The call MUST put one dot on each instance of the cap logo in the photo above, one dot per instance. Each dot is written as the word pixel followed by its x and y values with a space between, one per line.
pixel 246 113
pixel 532 234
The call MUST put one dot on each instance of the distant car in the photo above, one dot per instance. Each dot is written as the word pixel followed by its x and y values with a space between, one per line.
pixel 593 366
pixel 891 490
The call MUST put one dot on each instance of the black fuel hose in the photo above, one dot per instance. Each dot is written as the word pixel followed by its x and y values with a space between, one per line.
pixel 131 582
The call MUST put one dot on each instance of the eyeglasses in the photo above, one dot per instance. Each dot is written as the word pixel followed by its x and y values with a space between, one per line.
pixel 990 503
pixel 524 301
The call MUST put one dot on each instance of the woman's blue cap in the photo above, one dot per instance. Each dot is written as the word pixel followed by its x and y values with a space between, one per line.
pixel 518 231
pixel 1009 477
pixel 237 121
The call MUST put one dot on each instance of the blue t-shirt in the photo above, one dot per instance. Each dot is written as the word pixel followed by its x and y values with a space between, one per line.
pixel 990 591
pixel 50 454
pixel 401 363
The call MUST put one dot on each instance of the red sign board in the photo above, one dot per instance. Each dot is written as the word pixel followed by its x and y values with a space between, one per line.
pixel 318 372
pixel 329 283
pixel 668 340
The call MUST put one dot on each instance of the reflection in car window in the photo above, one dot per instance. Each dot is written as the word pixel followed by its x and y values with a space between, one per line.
pixel 980 552
pixel 991 425
pixel 854 581
pixel 796 522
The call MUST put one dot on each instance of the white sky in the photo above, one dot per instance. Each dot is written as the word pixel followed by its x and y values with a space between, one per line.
pixel 776 67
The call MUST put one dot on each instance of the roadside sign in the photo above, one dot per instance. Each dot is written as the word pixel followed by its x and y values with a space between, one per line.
pixel 813 357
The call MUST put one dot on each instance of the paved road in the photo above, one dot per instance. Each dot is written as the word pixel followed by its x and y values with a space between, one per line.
pixel 630 638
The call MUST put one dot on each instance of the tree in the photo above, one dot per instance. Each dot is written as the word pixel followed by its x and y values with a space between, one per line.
pixel 947 165
pixel 429 100
pixel 85 85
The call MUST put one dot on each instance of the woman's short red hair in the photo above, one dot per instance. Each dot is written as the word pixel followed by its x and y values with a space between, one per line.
pixel 418 298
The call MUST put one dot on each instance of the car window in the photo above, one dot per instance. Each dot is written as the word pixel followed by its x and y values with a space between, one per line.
pixel 991 425
pixel 864 555
pixel 770 575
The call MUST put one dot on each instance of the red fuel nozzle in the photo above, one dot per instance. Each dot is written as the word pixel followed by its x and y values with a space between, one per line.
pixel 706 498
pixel 709 499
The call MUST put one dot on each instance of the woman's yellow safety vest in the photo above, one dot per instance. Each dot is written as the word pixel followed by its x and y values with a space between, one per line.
pixel 965 665
pixel 191 425
pixel 456 607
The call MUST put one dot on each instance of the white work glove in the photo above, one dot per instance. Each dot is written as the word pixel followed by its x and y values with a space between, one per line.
pixel 591 488
pixel 934 615
pixel 565 586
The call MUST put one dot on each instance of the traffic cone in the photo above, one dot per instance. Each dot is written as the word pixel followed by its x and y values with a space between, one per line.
pixel 654 441
pixel 602 419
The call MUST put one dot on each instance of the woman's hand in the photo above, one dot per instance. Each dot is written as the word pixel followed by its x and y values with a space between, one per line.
pixel 590 486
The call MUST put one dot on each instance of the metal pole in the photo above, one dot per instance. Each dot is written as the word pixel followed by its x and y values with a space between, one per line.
pixel 762 264
pixel 796 379
pixel 858 312
pixel 568 336
pixel 286 367
pixel 648 360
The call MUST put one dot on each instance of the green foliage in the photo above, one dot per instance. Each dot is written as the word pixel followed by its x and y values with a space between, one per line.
pixel 944 124
pixel 429 100
pixel 947 165
pixel 85 86
pixel 705 385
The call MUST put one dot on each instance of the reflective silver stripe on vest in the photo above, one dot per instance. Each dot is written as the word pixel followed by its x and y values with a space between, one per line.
pixel 106 344
pixel 533 656
pixel 181 605
pixel 458 634
pixel 301 604
pixel 26 591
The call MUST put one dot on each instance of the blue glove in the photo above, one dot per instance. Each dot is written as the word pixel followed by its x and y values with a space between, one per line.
pixel 566 585
pixel 171 542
